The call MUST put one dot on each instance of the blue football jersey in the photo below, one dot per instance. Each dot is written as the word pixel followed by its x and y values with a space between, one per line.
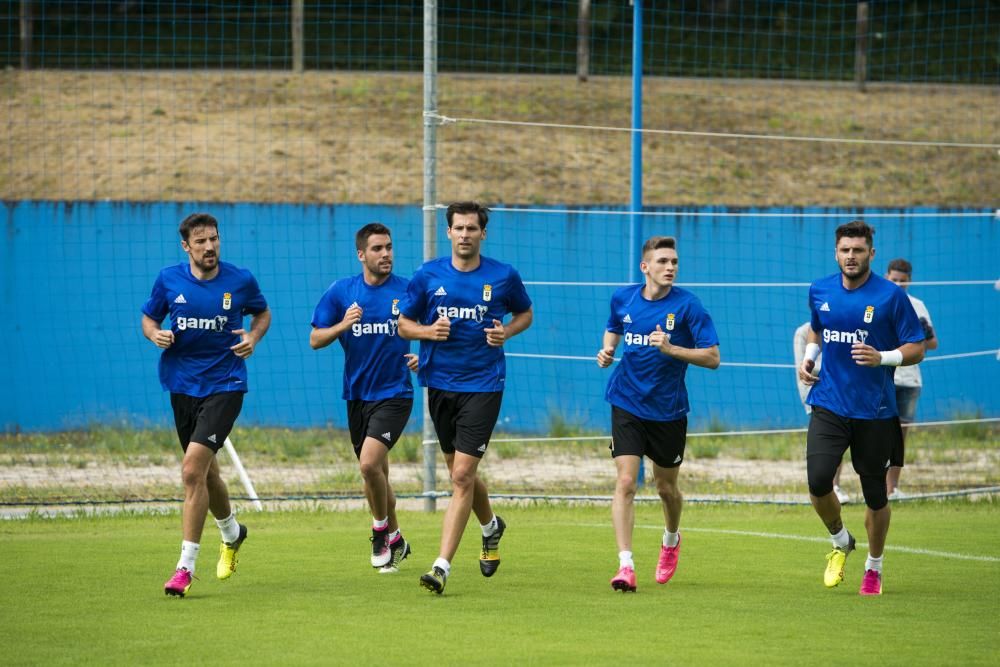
pixel 374 365
pixel 878 314
pixel 471 300
pixel 646 382
pixel 203 315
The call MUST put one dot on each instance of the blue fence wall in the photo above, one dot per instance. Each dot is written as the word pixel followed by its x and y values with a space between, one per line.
pixel 74 276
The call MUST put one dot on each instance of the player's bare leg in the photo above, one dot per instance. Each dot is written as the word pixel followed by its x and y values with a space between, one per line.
pixel 374 462
pixel 218 492
pixel 469 495
pixel 623 518
pixel 197 462
pixel 672 501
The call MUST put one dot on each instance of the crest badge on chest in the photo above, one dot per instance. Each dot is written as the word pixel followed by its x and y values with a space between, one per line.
pixel 227 301
pixel 670 321
pixel 869 314
pixel 487 292
pixel 395 306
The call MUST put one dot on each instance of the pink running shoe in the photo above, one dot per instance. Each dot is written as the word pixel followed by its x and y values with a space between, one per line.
pixel 624 581
pixel 871 584
pixel 667 565
pixel 179 583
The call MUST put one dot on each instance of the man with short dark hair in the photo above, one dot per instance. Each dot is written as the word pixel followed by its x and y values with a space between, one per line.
pixel 665 328
pixel 361 312
pixel 455 307
pixel 203 367
pixel 867 328
pixel 908 379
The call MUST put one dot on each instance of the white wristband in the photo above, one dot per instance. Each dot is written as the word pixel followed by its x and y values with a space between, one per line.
pixel 891 358
pixel 812 351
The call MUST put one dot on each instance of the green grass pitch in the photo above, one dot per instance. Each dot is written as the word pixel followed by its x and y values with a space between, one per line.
pixel 748 591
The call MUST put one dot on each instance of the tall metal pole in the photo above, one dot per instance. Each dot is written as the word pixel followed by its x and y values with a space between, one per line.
pixel 298 18
pixel 636 203
pixel 27 32
pixel 430 219
pixel 583 41
pixel 635 221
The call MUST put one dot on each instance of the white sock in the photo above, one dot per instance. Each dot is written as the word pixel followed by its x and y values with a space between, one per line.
pixel 380 524
pixel 625 559
pixel 189 554
pixel 874 563
pixel 841 539
pixel 229 527
pixel 490 527
pixel 393 536
pixel 443 564
pixel 671 539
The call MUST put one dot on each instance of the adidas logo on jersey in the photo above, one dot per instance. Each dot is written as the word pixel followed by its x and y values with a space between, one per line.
pixel 626 319
pixel 387 435
pixel 825 307
pixel 440 291
pixel 180 299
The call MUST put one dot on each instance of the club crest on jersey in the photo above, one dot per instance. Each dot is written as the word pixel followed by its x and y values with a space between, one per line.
pixel 869 314
pixel 670 321
pixel 227 301
pixel 487 292
pixel 395 306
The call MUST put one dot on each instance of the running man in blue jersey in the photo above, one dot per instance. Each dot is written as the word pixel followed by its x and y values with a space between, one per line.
pixel 203 367
pixel 361 313
pixel 455 307
pixel 665 328
pixel 867 328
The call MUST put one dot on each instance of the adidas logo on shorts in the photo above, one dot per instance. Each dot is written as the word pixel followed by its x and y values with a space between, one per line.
pixel 482 448
pixel 387 435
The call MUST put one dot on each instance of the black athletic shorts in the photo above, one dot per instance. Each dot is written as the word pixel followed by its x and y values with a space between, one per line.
pixel 662 442
pixel 207 421
pixel 875 444
pixel 383 420
pixel 464 421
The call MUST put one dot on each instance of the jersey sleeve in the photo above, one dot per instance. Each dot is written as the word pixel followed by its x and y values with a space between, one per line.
pixel 908 327
pixel 327 312
pixel 414 304
pixel 255 302
pixel 157 306
pixel 814 322
pixel 518 300
pixel 615 324
pixel 701 325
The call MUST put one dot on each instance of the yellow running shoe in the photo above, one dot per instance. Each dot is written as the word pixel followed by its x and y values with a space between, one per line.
pixel 228 555
pixel 835 562
pixel 489 557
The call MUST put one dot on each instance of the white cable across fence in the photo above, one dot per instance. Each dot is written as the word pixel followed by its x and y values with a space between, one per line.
pixel 447 120
pixel 924 283
pixel 748 364
pixel 720 434
pixel 733 214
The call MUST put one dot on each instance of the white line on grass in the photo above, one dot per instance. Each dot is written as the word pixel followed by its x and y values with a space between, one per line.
pixel 801 538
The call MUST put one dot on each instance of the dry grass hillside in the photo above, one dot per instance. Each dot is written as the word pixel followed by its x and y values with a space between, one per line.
pixel 332 137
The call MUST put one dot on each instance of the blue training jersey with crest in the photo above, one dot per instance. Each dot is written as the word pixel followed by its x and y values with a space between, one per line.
pixel 203 315
pixel 646 382
pixel 374 363
pixel 471 300
pixel 878 314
